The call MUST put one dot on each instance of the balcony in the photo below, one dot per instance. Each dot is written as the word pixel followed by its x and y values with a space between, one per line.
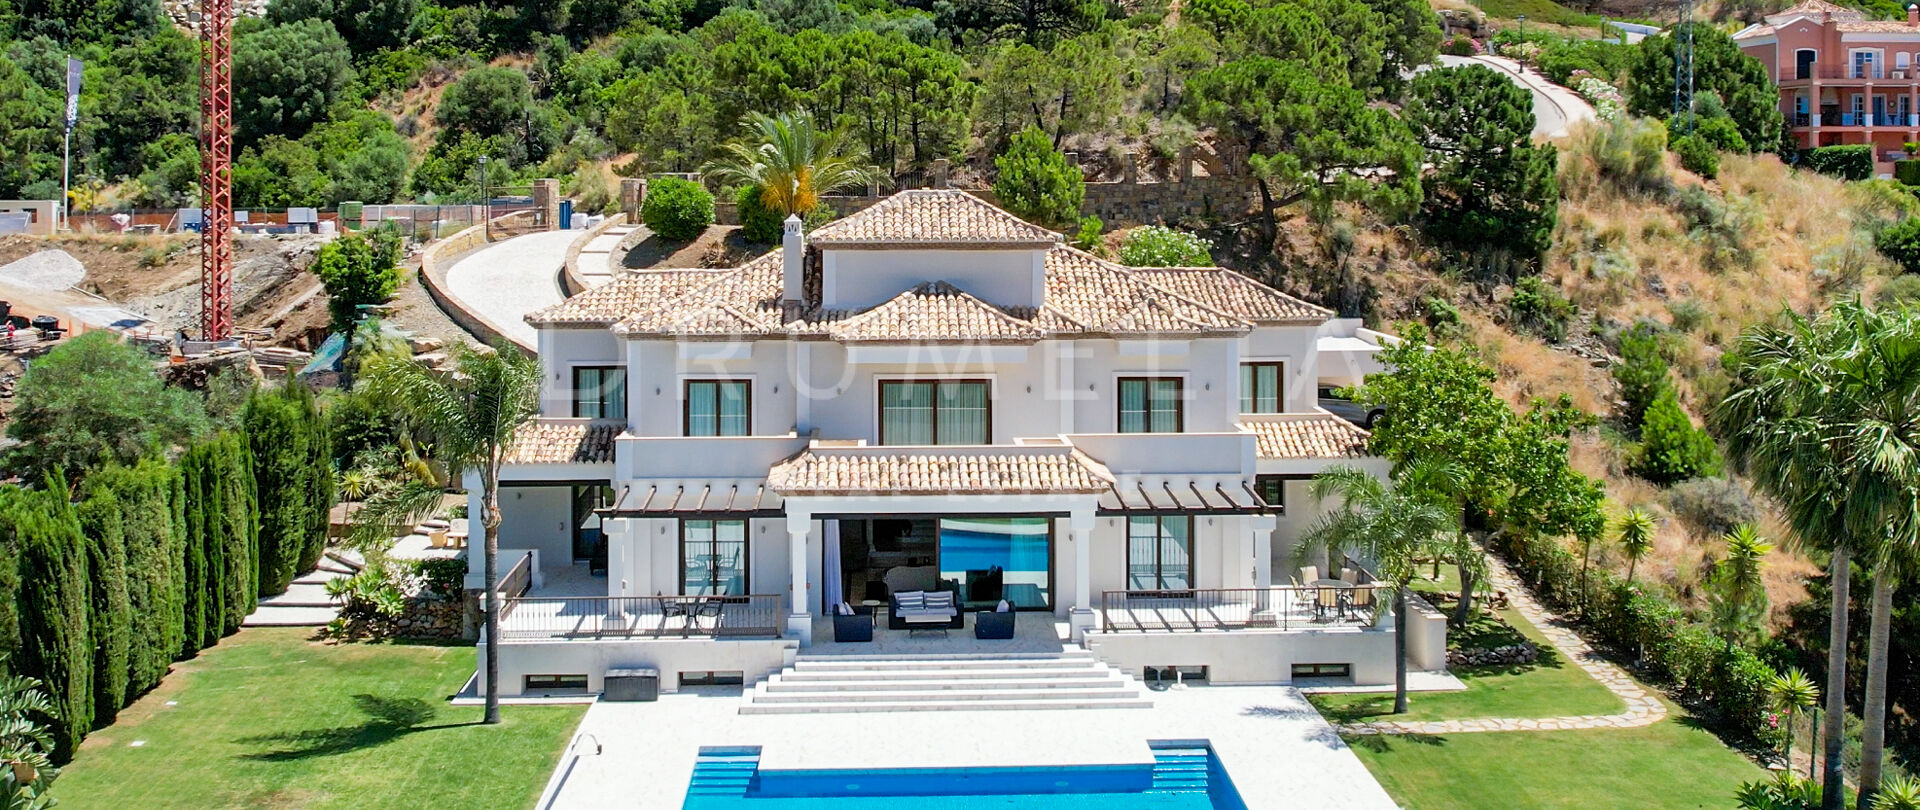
pixel 1280 608
pixel 1862 73
pixel 627 618
pixel 1860 120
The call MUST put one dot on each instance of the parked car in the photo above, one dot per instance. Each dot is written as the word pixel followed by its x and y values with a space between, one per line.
pixel 1355 412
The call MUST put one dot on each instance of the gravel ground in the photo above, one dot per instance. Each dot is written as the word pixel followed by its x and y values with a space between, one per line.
pixel 47 270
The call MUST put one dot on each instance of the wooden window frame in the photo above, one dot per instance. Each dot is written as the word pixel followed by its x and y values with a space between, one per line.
pixel 1260 483
pixel 746 552
pixel 577 389
pixel 880 404
pixel 1279 384
pixel 686 405
pixel 1179 402
pixel 1193 551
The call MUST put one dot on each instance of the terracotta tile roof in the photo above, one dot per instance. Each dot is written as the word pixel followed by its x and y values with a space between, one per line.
pixel 932 216
pixel 903 471
pixel 741 301
pixel 1814 8
pixel 609 302
pixel 1318 435
pixel 563 441
pixel 1877 27
pixel 935 311
pixel 1234 294
pixel 1086 294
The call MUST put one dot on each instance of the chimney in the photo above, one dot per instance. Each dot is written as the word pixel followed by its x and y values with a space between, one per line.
pixel 1913 15
pixel 793 259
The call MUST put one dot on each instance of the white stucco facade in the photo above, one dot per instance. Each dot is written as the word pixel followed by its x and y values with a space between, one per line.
pixel 813 347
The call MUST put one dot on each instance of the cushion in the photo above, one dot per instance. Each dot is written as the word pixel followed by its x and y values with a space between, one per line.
pixel 911 600
pixel 939 599
pixel 843 609
pixel 1003 607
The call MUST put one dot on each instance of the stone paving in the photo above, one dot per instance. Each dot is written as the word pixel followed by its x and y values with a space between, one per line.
pixel 1642 707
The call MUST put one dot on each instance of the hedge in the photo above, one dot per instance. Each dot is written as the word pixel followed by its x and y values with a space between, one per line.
pixel 291 454
pixel 139 502
pixel 103 523
pixel 1849 162
pixel 1728 681
pixel 56 645
pixel 1907 172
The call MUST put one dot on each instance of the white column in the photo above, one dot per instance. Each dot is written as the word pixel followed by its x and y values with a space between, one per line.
pixel 1080 525
pixel 620 553
pixel 799 623
pixel 1263 526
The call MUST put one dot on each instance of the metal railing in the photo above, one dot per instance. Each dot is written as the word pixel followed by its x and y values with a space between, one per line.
pixel 1278 608
pixel 642 617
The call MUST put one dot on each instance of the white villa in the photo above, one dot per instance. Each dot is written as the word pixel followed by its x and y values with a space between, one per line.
pixel 933 403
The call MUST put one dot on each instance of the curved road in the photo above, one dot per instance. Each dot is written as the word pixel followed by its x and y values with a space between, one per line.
pixel 1555 108
pixel 504 281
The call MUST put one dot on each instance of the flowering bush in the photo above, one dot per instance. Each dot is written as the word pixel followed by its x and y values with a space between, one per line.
pixel 1461 46
pixel 1522 51
pixel 1605 98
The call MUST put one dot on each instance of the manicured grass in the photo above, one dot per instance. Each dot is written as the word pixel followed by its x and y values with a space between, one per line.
pixel 269 719
pixel 1665 766
pixel 1549 687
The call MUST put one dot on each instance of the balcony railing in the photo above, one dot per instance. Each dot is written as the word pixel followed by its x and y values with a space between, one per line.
pixel 1864 120
pixel 1852 72
pixel 641 617
pixel 1802 120
pixel 1301 607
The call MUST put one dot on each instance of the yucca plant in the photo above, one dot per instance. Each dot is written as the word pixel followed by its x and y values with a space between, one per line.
pixel 1636 529
pixel 1791 693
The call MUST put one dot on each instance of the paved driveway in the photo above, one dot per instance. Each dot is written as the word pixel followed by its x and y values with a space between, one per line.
pixel 1555 108
pixel 506 280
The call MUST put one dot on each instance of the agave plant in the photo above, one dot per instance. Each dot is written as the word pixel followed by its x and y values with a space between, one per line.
pixel 1783 792
pixel 1898 793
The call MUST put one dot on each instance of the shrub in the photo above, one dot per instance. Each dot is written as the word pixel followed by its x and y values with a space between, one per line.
pixel 1711 507
pixel 110 614
pixel 1696 155
pixel 1629 151
pixel 138 502
pixel 758 223
pixel 1907 172
pixel 1157 246
pixel 1900 242
pixel 293 482
pixel 445 578
pixel 1687 314
pixel 1088 239
pixel 1538 308
pixel 1460 46
pixel 55 639
pixel 1671 448
pixel 1722 133
pixel 1641 372
pixel 1035 182
pixel 357 271
pixel 1782 792
pixel 1898 290
pixel 1849 162
pixel 677 209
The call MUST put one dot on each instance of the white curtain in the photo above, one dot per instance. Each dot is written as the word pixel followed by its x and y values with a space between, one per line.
pixel 830 566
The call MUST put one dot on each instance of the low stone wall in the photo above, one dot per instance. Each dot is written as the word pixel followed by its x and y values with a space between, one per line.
pixel 437 258
pixel 570 276
pixel 1526 652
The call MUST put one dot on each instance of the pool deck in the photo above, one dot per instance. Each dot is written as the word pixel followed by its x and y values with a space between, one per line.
pixel 1278 750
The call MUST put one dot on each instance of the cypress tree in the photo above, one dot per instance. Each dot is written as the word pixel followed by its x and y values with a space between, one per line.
pixel 9 601
pixel 198 582
pixel 55 642
pixel 318 481
pixel 110 616
pixel 292 457
pixel 146 498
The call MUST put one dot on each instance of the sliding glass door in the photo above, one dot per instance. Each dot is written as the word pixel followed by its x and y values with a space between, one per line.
pixel 1159 553
pixel 995 558
pixel 713 557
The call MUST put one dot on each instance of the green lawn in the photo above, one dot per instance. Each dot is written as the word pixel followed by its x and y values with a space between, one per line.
pixel 1550 687
pixel 269 719
pixel 1666 766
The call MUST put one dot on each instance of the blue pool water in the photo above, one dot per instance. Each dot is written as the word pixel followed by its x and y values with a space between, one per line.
pixel 1185 775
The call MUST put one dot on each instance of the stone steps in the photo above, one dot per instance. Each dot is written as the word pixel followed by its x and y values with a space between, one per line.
pixel 1072 679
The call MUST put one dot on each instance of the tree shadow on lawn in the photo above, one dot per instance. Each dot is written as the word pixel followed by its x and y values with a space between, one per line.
pixel 388 719
pixel 1383 743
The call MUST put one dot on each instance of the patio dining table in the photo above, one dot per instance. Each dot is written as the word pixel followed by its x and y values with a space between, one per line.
pixel 1343 596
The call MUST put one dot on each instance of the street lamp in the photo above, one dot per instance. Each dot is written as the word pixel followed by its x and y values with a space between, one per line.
pixel 1523 39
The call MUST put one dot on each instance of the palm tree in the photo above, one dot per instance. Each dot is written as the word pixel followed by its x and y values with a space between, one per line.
pixel 470 416
pixel 1636 529
pixel 1393 524
pixel 1821 415
pixel 1792 693
pixel 1740 597
pixel 792 161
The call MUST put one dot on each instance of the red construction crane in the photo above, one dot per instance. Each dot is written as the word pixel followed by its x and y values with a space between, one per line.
pixel 216 170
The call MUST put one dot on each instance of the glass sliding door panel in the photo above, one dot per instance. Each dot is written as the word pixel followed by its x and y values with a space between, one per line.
pixel 995 558
pixel 702 410
pixel 713 557
pixel 906 413
pixel 963 413
pixel 1143 542
pixel 1176 553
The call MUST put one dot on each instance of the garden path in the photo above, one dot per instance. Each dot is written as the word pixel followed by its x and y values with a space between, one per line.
pixel 1643 708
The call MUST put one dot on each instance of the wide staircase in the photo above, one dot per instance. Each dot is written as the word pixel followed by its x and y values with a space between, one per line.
pixel 1070 679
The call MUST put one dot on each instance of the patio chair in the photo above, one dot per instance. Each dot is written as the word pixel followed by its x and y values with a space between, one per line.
pixel 1361 601
pixel 1309 573
pixel 1327 600
pixel 997 624
pixel 849 626
pixel 1346 575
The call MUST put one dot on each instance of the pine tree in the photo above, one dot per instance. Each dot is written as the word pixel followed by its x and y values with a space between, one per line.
pixel 55 643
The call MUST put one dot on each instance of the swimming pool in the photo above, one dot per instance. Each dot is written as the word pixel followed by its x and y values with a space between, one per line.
pixel 1185 775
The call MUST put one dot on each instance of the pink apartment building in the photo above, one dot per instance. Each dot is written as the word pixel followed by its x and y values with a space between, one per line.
pixel 1844 79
